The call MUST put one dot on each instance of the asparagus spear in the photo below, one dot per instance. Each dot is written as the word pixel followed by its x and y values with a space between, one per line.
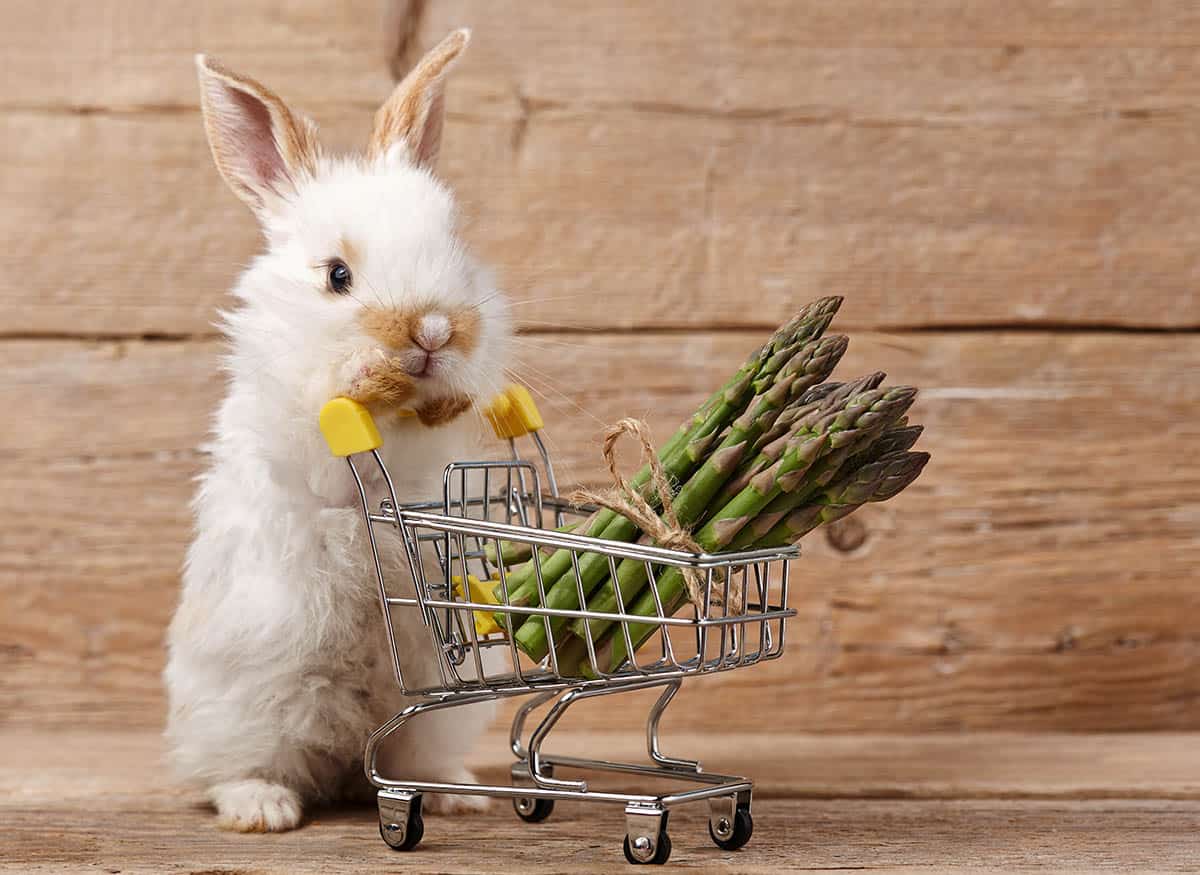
pixel 573 659
pixel 812 363
pixel 786 419
pixel 767 453
pixel 512 552
pixel 895 439
pixel 849 427
pixel 874 481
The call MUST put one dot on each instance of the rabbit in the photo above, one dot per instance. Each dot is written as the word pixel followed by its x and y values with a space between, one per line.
pixel 278 667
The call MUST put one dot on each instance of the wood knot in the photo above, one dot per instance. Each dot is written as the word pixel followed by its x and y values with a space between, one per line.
pixel 846 535
pixel 1067 639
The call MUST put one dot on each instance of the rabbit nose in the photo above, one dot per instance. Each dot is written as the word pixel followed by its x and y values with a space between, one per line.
pixel 432 332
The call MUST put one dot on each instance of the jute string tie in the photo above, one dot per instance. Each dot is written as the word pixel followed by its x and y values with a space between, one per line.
pixel 664 529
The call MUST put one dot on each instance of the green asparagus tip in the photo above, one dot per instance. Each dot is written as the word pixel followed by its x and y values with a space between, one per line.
pixel 900 474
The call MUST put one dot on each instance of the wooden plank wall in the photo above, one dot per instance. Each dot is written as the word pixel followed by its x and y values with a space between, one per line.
pixel 1006 193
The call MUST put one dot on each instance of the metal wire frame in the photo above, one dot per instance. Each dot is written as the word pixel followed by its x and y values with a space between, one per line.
pixel 446 539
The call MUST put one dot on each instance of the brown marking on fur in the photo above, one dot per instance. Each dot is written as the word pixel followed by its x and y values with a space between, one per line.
pixel 347 251
pixel 392 327
pixel 465 324
pixel 385 384
pixel 295 137
pixel 395 328
pixel 442 410
pixel 412 114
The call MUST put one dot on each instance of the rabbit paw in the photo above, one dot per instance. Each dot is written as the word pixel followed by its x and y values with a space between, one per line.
pixel 374 378
pixel 256 806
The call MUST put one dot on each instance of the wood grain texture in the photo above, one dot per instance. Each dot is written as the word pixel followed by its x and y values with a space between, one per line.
pixel 1040 574
pixel 783 764
pixel 114 812
pixel 651 165
pixel 957 169
pixel 124 57
pixel 709 54
pixel 138 837
pixel 709 225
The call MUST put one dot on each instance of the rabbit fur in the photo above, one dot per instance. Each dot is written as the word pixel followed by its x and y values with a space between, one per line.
pixel 278 667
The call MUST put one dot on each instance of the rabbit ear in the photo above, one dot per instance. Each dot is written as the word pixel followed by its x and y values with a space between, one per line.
pixel 259 146
pixel 411 119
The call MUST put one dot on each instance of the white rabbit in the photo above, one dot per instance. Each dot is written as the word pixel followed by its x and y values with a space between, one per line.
pixel 278 668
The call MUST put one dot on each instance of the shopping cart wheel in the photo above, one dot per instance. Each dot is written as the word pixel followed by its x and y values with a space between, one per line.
pixel 533 810
pixel 662 851
pixel 646 839
pixel 729 836
pixel 400 821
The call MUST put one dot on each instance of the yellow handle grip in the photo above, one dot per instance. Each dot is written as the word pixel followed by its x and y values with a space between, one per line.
pixel 485 622
pixel 513 413
pixel 348 428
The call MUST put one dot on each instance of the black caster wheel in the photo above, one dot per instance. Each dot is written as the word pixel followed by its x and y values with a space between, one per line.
pixel 733 835
pixel 410 836
pixel 662 853
pixel 533 810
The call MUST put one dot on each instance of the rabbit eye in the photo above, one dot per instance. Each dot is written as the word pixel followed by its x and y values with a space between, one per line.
pixel 339 278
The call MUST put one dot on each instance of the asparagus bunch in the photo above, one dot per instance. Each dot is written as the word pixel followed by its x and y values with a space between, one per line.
pixel 820 439
pixel 770 456
pixel 810 364
pixel 681 455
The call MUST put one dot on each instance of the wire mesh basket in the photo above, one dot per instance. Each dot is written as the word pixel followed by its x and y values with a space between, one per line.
pixel 499 627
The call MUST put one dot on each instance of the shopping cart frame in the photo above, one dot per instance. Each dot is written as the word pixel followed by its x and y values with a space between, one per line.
pixel 446 526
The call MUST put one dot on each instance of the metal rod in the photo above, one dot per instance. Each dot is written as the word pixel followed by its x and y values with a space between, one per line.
pixel 656 712
pixel 550 478
pixel 518 724
pixel 774 613
pixel 383 596
pixel 585 543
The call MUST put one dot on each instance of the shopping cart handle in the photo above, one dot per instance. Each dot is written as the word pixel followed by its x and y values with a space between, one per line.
pixel 348 428
pixel 512 413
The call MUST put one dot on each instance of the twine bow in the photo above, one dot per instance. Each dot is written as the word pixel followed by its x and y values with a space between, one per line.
pixel 664 529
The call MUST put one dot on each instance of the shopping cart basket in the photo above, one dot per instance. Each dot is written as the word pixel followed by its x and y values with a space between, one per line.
pixel 456 548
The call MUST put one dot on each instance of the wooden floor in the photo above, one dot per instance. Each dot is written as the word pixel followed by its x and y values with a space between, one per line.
pixel 98 802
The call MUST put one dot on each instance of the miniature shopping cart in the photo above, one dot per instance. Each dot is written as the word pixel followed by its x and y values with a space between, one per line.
pixel 455 549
